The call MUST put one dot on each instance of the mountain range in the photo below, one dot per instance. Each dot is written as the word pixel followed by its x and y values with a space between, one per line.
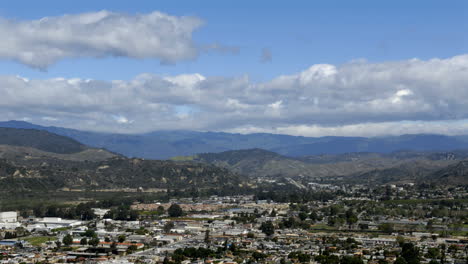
pixel 168 144
pixel 369 168
pixel 36 159
pixel 40 161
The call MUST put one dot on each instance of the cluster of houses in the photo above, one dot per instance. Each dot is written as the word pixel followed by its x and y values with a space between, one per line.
pixel 227 223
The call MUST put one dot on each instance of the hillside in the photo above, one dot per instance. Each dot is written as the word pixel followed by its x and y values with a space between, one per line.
pixel 456 174
pixel 33 160
pixel 370 168
pixel 55 174
pixel 39 139
pixel 17 144
pixel 16 153
pixel 167 144
pixel 256 163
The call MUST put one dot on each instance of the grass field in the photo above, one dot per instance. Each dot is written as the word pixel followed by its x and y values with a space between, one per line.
pixel 39 240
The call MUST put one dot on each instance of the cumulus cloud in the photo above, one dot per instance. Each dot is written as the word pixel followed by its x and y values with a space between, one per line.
pixel 357 98
pixel 40 43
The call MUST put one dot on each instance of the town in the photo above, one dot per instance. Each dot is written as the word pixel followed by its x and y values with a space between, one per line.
pixel 351 224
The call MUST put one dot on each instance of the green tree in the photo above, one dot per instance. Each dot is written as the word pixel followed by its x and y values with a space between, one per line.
pixel 410 253
pixel 168 226
pixel 132 249
pixel 400 260
pixel 175 210
pixel 268 228
pixel 257 255
pixel 273 213
pixel 67 240
pixel 386 227
pixel 433 253
pixel 351 217
pixel 351 260
pixel 94 241
pixel 121 238
pixel 90 233
pixel 303 216
pixel 160 210
pixel 207 236
pixel 84 241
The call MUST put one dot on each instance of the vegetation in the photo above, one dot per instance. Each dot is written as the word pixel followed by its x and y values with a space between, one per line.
pixel 175 210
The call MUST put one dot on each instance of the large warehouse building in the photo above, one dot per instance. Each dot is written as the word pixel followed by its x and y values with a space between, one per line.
pixel 8 217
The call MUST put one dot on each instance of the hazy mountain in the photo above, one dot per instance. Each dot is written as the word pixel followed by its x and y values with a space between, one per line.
pixel 371 168
pixel 167 144
pixel 456 174
pixel 18 144
pixel 256 163
pixel 33 160
pixel 41 140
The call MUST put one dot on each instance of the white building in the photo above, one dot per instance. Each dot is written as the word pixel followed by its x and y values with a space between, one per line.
pixel 8 217
pixel 49 223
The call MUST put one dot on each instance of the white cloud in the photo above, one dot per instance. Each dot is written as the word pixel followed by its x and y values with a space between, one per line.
pixel 48 118
pixel 121 119
pixel 357 98
pixel 449 127
pixel 40 43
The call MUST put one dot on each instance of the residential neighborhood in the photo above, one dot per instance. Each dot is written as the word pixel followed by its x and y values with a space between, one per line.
pixel 359 226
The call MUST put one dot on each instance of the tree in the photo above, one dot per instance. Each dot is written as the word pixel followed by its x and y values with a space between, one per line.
pixel 257 255
pixel 132 249
pixel 410 253
pixel 400 260
pixel 160 210
pixel 386 227
pixel 121 238
pixel 273 213
pixel 94 241
pixel 168 226
pixel 351 217
pixel 84 241
pixel 90 233
pixel 303 216
pixel 207 236
pixel 175 210
pixel 351 260
pixel 400 240
pixel 267 228
pixel 300 256
pixel 67 240
pixel 313 216
pixel 433 253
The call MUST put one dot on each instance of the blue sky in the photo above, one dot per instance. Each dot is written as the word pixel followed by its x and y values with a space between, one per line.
pixel 298 34
pixel 361 68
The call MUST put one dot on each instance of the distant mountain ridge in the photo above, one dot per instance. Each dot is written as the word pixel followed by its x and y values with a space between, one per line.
pixel 167 144
pixel 369 168
pixel 35 161
pixel 39 139
pixel 39 161
pixel 38 144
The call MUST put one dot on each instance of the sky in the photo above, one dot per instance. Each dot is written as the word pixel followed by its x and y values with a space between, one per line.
pixel 310 68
